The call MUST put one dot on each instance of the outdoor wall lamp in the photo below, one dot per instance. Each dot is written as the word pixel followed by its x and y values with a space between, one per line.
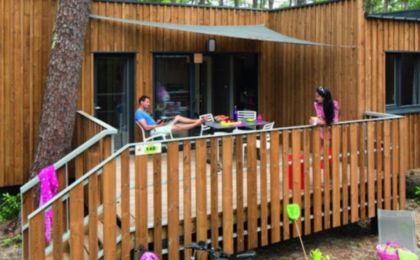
pixel 211 45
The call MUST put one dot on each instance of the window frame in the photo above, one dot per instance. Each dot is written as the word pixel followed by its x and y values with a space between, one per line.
pixel 396 107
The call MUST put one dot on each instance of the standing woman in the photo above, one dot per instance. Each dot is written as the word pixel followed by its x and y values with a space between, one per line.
pixel 327 110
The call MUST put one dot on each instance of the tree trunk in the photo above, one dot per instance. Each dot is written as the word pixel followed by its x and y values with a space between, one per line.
pixel 300 2
pixel 60 93
pixel 255 4
pixel 270 4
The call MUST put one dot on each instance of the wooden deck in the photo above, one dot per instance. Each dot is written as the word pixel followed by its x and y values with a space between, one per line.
pixel 218 174
pixel 237 201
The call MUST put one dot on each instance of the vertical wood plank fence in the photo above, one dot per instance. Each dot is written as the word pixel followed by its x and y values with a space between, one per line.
pixel 235 199
pixel 92 144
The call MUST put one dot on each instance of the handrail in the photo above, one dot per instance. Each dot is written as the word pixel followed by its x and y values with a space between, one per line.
pixel 79 180
pixel 127 146
pixel 381 115
pixel 109 130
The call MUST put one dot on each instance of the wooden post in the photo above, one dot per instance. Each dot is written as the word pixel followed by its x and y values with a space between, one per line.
pixel 110 224
pixel 275 187
pixel 125 205
pixel 36 237
pixel 227 204
pixel 76 222
pixel 354 176
pixel 187 198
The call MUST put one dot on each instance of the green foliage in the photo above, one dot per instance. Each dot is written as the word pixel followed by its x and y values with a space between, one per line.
pixel 379 6
pixel 10 207
pixel 316 254
pixel 16 240
pixel 417 194
pixel 371 6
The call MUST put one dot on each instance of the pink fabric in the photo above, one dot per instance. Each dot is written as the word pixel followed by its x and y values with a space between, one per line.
pixel 49 187
pixel 149 256
pixel 319 110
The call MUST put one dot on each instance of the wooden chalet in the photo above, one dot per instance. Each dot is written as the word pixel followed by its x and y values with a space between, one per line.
pixel 120 200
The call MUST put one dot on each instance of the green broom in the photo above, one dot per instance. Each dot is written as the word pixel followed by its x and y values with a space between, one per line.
pixel 293 212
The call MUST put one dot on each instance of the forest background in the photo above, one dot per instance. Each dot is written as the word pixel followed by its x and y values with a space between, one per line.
pixel 371 6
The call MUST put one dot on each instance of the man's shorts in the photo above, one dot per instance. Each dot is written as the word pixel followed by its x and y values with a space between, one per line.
pixel 166 129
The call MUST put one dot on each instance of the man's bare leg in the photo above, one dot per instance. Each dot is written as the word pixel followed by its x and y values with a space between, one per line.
pixel 186 126
pixel 184 120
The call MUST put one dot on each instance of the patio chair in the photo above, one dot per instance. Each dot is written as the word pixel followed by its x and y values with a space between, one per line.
pixel 247 114
pixel 153 137
pixel 266 127
pixel 205 127
pixel 399 226
pixel 243 115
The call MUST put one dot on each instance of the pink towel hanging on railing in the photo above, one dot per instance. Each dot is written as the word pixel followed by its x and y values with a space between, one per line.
pixel 49 187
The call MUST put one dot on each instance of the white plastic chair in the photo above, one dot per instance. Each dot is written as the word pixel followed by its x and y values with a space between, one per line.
pixel 153 137
pixel 247 114
pixel 399 226
pixel 205 127
pixel 266 127
pixel 243 115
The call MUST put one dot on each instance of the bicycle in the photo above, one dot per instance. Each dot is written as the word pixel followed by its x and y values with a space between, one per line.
pixel 217 253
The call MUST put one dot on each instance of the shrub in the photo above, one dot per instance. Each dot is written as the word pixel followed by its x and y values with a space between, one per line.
pixel 417 194
pixel 10 207
pixel 16 240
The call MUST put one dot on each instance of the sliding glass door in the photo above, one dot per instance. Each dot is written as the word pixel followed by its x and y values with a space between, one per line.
pixel 113 88
pixel 172 86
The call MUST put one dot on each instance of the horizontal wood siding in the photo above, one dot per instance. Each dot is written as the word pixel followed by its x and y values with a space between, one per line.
pixel 25 33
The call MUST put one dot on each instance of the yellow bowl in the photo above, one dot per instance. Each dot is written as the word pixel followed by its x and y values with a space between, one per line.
pixel 250 119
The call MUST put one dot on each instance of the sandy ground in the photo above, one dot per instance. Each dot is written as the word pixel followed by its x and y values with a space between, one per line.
pixel 8 252
pixel 350 242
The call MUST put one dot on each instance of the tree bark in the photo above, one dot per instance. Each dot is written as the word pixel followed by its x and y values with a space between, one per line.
pixel 270 4
pixel 60 93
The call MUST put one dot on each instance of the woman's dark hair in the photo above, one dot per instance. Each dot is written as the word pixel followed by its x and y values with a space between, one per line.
pixel 327 104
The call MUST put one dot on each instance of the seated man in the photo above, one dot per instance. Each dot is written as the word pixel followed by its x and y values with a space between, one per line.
pixel 179 123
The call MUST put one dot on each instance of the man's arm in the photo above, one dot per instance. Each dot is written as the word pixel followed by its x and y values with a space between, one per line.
pixel 147 127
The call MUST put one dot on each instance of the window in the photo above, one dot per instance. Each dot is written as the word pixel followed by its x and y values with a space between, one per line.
pixel 403 82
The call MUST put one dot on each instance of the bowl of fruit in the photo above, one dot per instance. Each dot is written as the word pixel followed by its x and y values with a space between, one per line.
pixel 221 118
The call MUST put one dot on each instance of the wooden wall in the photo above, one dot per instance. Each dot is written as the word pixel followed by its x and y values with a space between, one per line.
pixel 288 74
pixel 119 37
pixel 413 136
pixel 25 33
pixel 297 70
pixel 381 36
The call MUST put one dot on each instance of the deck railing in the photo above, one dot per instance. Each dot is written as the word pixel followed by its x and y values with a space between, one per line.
pixel 165 200
pixel 92 142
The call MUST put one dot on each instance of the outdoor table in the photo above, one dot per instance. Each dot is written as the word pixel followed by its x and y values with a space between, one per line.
pixel 244 124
